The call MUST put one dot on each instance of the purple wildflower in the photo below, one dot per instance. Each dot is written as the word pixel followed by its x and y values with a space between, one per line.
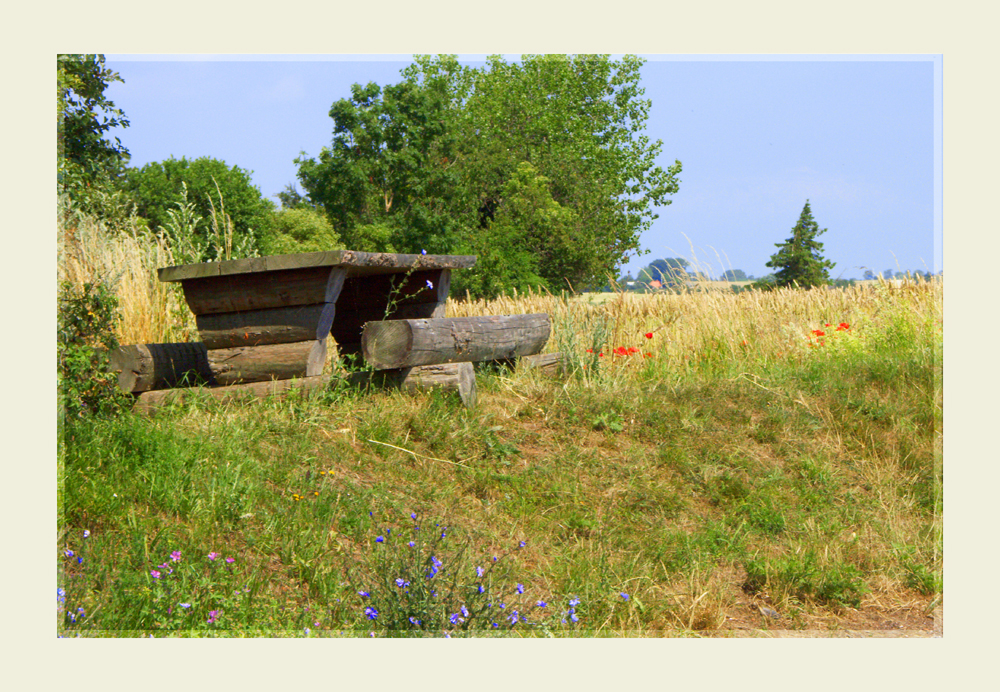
pixel 624 595
pixel 154 574
pixel 212 556
pixel 212 615
pixel 520 588
pixel 175 556
pixel 371 613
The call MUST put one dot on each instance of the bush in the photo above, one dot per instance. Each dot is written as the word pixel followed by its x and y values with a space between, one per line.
pixel 86 337
pixel 302 230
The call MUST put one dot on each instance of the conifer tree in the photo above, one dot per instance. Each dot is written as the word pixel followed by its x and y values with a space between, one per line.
pixel 799 259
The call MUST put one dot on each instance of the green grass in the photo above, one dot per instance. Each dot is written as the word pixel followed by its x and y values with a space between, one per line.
pixel 699 486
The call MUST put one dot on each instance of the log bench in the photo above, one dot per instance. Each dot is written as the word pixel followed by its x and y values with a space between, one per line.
pixel 267 320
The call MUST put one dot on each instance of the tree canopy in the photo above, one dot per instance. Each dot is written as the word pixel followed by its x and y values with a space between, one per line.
pixel 211 184
pixel 541 168
pixel 86 158
pixel 799 260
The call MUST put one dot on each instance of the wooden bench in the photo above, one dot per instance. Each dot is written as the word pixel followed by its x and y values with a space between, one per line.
pixel 269 318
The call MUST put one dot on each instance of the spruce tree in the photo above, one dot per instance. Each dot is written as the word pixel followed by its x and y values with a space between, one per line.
pixel 799 259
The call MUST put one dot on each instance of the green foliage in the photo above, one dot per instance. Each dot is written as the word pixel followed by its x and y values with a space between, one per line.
pixel 86 335
pixel 540 168
pixel 87 162
pixel 799 259
pixel 301 229
pixel 213 189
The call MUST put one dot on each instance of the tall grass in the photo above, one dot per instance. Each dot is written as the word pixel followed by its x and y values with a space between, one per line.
pixel 748 473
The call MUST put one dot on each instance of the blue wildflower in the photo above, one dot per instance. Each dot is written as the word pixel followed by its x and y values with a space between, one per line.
pixel 371 613
pixel 624 595
pixel 380 539
pixel 364 594
pixel 520 588
pixel 479 571
pixel 541 604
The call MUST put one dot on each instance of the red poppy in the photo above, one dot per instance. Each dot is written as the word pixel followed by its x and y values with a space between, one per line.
pixel 621 351
pixel 649 335
pixel 590 350
pixel 633 349
pixel 600 355
pixel 818 332
pixel 648 355
pixel 843 327
pixel 827 325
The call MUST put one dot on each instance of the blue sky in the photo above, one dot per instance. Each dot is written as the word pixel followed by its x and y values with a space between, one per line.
pixel 858 136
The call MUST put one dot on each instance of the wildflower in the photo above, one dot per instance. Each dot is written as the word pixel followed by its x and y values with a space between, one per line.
pixel 230 560
pixel 541 604
pixel 513 617
pixel 520 588
pixel 414 621
pixel 649 335
pixel 380 539
pixel 624 595
pixel 411 544
pixel 574 602
pixel 402 583
pixel 371 613
pixel 413 516
pixel 61 595
pixel 154 574
pixel 648 355
pixel 481 589
pixel 364 594
pixel 573 617
pixel 429 284
pixel 212 615
pixel 819 332
pixel 306 631
pixel 86 533
pixel 455 619
pixel 520 545
pixel 843 327
pixel 184 605
pixel 590 350
pixel 212 556
pixel 621 351
pixel 175 556
pixel 423 252
pixel 600 355
pixel 69 553
pixel 465 611
pixel 479 571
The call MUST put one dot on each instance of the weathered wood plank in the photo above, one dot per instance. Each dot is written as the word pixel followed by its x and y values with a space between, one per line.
pixel 451 377
pixel 144 367
pixel 405 343
pixel 260 327
pixel 357 264
pixel 261 363
pixel 259 291
pixel 150 401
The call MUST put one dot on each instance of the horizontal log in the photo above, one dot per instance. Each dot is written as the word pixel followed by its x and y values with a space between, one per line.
pixel 264 290
pixel 356 263
pixel 145 367
pixel 148 367
pixel 452 377
pixel 151 401
pixel 262 327
pixel 271 362
pixel 405 343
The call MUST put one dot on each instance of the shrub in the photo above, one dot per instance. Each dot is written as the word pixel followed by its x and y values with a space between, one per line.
pixel 86 336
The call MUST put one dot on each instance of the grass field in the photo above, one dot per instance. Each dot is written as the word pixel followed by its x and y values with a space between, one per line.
pixel 711 464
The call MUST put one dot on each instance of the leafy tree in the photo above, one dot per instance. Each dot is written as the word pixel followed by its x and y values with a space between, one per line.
pixel 301 229
pixel 540 168
pixel 86 159
pixel 212 186
pixel 734 275
pixel 799 259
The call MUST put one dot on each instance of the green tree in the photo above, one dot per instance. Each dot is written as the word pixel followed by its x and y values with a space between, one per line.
pixel 454 159
pixel 734 275
pixel 212 186
pixel 799 260
pixel 86 158
pixel 301 229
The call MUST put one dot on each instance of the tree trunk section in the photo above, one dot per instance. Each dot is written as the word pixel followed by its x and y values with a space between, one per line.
pixel 450 377
pixel 406 343
pixel 145 367
pixel 272 362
